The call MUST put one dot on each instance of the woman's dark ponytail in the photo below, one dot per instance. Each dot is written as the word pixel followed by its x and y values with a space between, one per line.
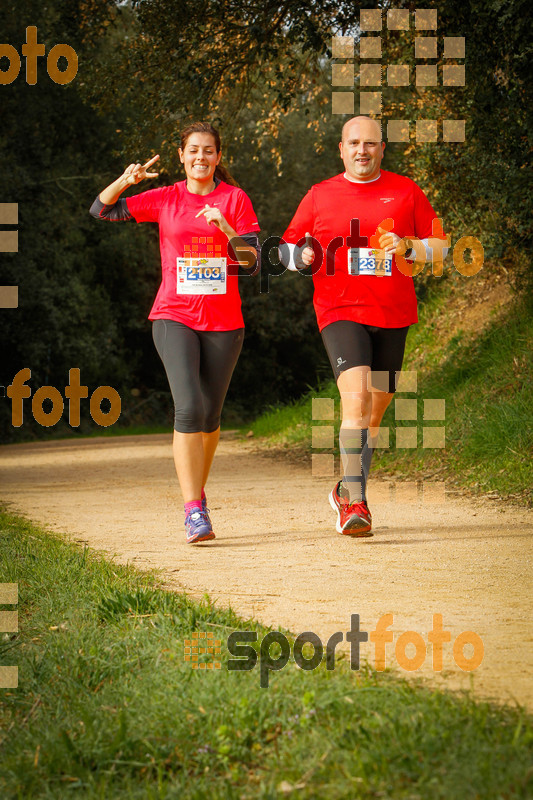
pixel 222 173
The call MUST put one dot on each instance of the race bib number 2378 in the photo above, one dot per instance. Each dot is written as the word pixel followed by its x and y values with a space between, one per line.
pixel 364 261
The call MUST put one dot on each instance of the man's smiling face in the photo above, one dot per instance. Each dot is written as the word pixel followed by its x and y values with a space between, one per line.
pixel 361 148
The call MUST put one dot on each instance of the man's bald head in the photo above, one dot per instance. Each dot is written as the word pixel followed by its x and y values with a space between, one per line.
pixel 361 148
pixel 368 127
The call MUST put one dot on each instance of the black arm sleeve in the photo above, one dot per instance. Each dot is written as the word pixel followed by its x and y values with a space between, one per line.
pixel 252 240
pixel 114 213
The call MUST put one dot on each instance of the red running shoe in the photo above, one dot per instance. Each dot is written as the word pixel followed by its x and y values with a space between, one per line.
pixel 352 519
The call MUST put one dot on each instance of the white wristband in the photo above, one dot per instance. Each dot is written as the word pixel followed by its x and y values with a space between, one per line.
pixel 286 256
pixel 411 254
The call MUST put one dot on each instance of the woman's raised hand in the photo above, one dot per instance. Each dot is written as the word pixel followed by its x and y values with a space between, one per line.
pixel 136 173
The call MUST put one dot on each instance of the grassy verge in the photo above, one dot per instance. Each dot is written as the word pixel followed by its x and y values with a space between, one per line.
pixel 116 430
pixel 151 415
pixel 107 707
pixel 486 380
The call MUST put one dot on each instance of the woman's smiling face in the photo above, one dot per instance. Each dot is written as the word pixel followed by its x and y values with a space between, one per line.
pixel 200 157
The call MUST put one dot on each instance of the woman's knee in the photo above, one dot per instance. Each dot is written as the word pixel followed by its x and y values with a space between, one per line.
pixel 189 419
pixel 211 424
pixel 212 415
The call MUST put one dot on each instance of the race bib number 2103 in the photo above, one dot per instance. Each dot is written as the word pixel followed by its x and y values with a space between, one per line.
pixel 201 275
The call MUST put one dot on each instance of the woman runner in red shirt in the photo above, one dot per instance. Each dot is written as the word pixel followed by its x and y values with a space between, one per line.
pixel 198 327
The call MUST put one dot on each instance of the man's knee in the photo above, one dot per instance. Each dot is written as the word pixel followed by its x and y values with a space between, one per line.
pixel 380 403
pixel 356 405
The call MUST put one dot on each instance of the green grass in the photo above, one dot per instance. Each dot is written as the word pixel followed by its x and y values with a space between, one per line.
pixel 64 431
pixel 487 383
pixel 108 708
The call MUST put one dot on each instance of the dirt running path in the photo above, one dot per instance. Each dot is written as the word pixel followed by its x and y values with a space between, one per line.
pixel 277 556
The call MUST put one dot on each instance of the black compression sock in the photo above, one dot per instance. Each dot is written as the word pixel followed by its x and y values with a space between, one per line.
pixel 366 459
pixel 352 442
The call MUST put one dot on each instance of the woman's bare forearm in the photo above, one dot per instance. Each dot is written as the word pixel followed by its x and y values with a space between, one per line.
pixel 111 193
pixel 132 175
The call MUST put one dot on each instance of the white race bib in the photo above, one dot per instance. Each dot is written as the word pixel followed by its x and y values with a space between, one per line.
pixel 201 275
pixel 363 261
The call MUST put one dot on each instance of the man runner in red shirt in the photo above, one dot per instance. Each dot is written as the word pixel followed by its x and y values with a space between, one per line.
pixel 350 228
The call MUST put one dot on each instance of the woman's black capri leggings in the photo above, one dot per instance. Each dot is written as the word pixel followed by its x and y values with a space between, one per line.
pixel 199 366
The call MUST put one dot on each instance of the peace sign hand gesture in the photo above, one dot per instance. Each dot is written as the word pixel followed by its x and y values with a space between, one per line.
pixel 136 173
pixel 133 174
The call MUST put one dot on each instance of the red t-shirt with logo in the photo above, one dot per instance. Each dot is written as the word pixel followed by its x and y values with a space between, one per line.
pixel 386 301
pixel 182 235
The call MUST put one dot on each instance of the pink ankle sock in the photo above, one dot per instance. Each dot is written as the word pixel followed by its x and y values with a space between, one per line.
pixel 192 504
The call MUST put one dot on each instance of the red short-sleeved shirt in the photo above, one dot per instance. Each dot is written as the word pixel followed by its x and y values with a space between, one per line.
pixel 174 208
pixel 326 211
